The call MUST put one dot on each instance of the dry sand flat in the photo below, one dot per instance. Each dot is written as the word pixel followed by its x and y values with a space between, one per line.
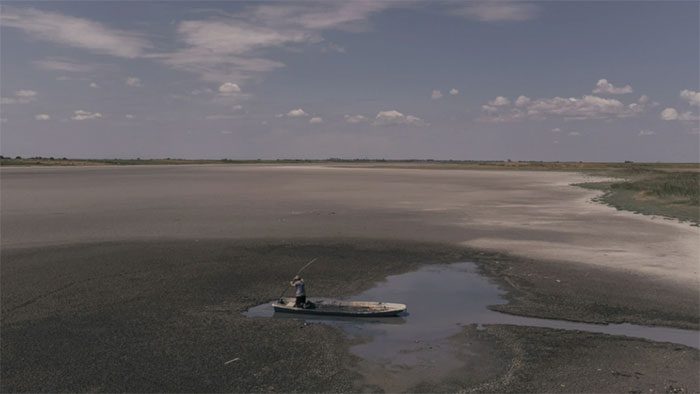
pixel 532 214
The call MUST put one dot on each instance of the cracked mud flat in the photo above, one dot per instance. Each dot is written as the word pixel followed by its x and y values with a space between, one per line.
pixel 133 279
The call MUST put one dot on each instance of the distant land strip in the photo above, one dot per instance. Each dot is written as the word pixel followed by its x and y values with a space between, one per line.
pixel 408 163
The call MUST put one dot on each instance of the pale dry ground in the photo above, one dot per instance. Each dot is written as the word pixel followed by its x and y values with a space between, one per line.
pixel 533 214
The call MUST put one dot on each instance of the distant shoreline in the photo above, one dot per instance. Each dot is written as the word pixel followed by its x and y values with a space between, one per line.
pixel 398 163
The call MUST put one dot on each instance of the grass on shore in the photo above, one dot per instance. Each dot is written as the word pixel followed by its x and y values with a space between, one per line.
pixel 674 194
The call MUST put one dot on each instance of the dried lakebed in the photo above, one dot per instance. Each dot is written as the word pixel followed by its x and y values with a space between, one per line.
pixel 400 352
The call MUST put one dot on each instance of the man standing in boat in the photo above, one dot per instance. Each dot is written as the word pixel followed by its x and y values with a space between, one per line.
pixel 298 284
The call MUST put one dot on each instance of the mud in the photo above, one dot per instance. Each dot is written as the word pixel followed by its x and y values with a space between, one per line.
pixel 167 316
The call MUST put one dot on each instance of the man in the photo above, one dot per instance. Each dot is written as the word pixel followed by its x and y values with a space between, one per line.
pixel 298 284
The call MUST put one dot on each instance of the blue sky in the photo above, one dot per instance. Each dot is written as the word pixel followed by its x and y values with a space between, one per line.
pixel 598 81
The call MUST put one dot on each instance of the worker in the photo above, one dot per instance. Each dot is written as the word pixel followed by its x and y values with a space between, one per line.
pixel 298 284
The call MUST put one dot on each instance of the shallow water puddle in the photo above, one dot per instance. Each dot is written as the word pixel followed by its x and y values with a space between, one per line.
pixel 440 299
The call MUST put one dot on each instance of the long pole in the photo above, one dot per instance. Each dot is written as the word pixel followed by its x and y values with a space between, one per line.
pixel 298 273
pixel 307 264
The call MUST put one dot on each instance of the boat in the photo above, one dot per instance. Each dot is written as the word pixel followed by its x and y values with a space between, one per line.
pixel 325 306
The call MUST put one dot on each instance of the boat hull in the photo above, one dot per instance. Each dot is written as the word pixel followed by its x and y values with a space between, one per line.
pixel 341 308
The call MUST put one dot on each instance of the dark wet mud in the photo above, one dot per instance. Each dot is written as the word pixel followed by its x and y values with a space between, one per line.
pixel 166 316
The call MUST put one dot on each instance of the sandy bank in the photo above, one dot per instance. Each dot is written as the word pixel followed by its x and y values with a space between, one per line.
pixel 531 214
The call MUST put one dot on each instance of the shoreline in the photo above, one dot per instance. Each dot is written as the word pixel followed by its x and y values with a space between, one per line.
pixel 533 288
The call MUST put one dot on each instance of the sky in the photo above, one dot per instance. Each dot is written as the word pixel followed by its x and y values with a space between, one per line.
pixel 488 80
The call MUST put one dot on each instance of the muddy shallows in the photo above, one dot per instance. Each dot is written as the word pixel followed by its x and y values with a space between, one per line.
pixel 400 351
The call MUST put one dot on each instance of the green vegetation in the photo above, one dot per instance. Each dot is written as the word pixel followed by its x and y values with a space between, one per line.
pixel 672 193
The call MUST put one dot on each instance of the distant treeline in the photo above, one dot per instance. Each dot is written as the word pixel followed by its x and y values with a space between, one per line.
pixel 411 163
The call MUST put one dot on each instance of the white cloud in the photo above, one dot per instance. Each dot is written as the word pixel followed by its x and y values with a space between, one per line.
pixel 605 87
pixel 231 47
pixel 94 85
pixel 643 99
pixel 499 101
pixel 214 67
pixel 52 64
pixel 237 107
pixel 319 16
pixel 646 132
pixel 692 97
pixel 673 114
pixel 332 47
pixel 556 130
pixel 129 116
pixel 23 96
pixel 235 37
pixel 228 49
pixel 297 113
pixel 229 88
pixel 497 11
pixel 355 118
pixel 133 81
pixel 436 94
pixel 25 93
pixel 586 107
pixel 223 47
pixel 574 133
pixel 76 32
pixel 393 117
pixel 454 92
pixel 316 120
pixel 85 115
pixel 42 117
pixel 669 114
pixel 522 101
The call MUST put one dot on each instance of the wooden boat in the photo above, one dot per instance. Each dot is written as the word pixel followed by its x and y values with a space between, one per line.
pixel 324 306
